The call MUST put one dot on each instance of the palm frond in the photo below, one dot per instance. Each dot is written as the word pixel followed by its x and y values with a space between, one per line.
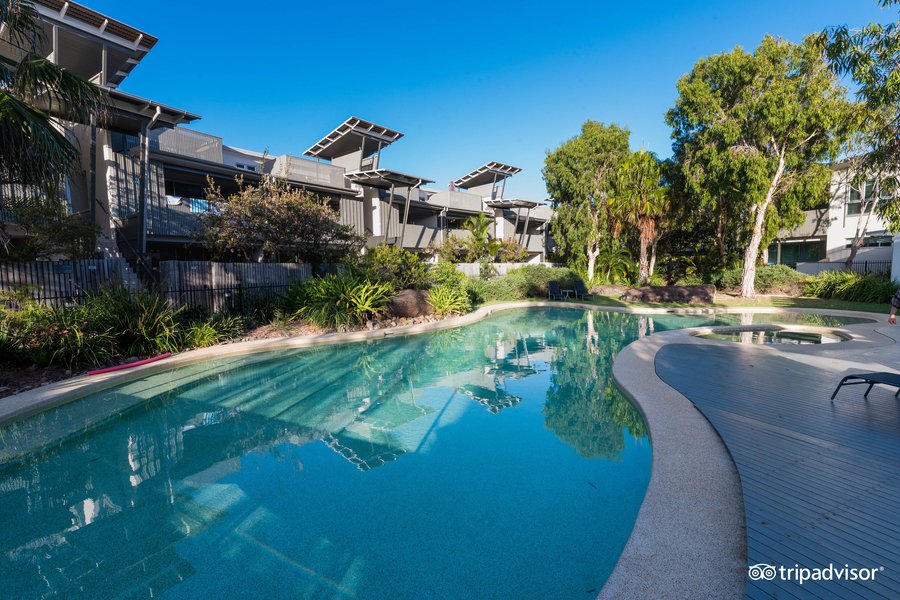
pixel 32 150
pixel 56 90
pixel 23 24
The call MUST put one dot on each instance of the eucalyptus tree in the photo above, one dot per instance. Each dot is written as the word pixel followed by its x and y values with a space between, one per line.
pixel 871 57
pixel 36 95
pixel 757 128
pixel 579 176
pixel 640 200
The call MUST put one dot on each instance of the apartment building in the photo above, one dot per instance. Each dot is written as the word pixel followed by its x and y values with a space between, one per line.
pixel 143 173
pixel 828 231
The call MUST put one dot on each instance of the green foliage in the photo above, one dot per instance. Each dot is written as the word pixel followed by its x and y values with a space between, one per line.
pixel 33 150
pixel 140 321
pixel 274 222
pixel 769 279
pixel 751 133
pixel 482 248
pixel 853 287
pixel 529 281
pixel 453 249
pixel 448 300
pixel 693 279
pixel 579 176
pixel 50 232
pixel 60 336
pixel 511 251
pixel 336 300
pixel 446 273
pixel 392 264
pixel 212 330
pixel 871 56
pixel 614 266
pixel 641 201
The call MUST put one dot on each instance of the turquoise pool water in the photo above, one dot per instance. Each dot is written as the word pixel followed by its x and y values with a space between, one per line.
pixel 493 461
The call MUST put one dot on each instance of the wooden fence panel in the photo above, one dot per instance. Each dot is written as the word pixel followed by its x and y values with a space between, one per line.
pixel 63 283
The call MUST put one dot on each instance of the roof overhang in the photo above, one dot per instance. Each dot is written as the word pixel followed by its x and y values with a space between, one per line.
pixel 128 112
pixel 385 179
pixel 512 203
pixel 346 138
pixel 489 173
pixel 104 31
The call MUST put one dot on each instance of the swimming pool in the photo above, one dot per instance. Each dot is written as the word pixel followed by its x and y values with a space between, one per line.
pixel 495 460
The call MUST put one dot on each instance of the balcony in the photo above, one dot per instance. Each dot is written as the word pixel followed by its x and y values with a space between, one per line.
pixel 420 237
pixel 459 201
pixel 185 142
pixel 302 170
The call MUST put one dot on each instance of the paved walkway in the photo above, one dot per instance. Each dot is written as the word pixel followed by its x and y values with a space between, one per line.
pixel 820 481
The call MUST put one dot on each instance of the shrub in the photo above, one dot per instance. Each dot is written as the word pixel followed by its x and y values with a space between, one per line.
pixel 693 279
pixel 843 285
pixel 769 279
pixel 510 251
pixel 453 249
pixel 141 322
pixel 446 273
pixel 336 300
pixel 62 336
pixel 210 331
pixel 395 265
pixel 448 300
pixel 536 278
pixel 506 288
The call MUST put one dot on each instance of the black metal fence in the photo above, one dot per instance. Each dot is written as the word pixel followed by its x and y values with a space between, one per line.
pixel 862 267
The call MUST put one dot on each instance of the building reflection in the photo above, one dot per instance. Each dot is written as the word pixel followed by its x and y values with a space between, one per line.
pixel 104 509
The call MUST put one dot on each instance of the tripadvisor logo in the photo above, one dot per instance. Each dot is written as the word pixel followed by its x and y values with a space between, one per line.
pixel 798 574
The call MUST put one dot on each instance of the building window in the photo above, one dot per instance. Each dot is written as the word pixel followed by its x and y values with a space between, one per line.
pixel 865 190
pixel 873 241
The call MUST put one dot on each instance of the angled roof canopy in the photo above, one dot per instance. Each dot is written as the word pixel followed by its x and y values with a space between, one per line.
pixel 84 32
pixel 127 111
pixel 512 203
pixel 385 179
pixel 350 135
pixel 489 173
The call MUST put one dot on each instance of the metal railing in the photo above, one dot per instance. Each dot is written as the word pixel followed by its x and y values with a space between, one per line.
pixel 862 267
pixel 303 170
pixel 185 142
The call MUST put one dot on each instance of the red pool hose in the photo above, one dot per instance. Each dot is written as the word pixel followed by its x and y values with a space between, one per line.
pixel 129 365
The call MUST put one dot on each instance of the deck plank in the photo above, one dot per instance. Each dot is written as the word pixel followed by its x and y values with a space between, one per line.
pixel 821 481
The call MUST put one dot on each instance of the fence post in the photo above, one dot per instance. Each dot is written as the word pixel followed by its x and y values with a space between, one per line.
pixel 240 290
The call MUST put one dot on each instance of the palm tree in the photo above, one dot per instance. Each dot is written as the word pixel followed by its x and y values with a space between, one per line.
pixel 640 200
pixel 481 246
pixel 35 94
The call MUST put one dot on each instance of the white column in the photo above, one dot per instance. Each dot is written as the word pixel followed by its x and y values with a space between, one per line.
pixel 895 259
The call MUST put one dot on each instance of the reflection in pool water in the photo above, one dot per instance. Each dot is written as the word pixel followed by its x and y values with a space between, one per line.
pixel 768 336
pixel 496 460
pixel 493 460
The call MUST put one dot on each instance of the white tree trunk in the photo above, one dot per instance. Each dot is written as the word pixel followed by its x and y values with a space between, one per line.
pixel 862 225
pixel 593 252
pixel 751 252
pixel 644 272
pixel 653 256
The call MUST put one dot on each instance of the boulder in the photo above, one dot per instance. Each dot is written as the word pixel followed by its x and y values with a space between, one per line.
pixel 680 294
pixel 410 303
pixel 608 290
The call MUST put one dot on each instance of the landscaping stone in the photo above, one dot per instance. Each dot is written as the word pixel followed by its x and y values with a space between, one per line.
pixel 410 303
pixel 609 290
pixel 680 294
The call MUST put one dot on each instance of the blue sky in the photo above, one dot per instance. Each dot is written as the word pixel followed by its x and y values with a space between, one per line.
pixel 467 82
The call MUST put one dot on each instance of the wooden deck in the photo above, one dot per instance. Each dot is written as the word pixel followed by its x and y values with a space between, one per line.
pixel 821 481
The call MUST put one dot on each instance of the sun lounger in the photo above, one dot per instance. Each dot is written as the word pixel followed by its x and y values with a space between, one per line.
pixel 580 290
pixel 553 291
pixel 891 379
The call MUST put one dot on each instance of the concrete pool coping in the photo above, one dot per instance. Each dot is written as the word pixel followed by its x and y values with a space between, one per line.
pixel 689 538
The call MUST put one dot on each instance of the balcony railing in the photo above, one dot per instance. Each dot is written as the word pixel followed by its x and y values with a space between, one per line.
pixel 185 142
pixel 457 201
pixel 302 170
pixel 420 236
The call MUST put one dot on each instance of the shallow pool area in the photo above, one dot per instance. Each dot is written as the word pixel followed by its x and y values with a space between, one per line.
pixel 776 336
pixel 494 460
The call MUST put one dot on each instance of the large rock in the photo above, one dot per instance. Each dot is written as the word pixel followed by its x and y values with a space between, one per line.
pixel 609 290
pixel 410 303
pixel 681 294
